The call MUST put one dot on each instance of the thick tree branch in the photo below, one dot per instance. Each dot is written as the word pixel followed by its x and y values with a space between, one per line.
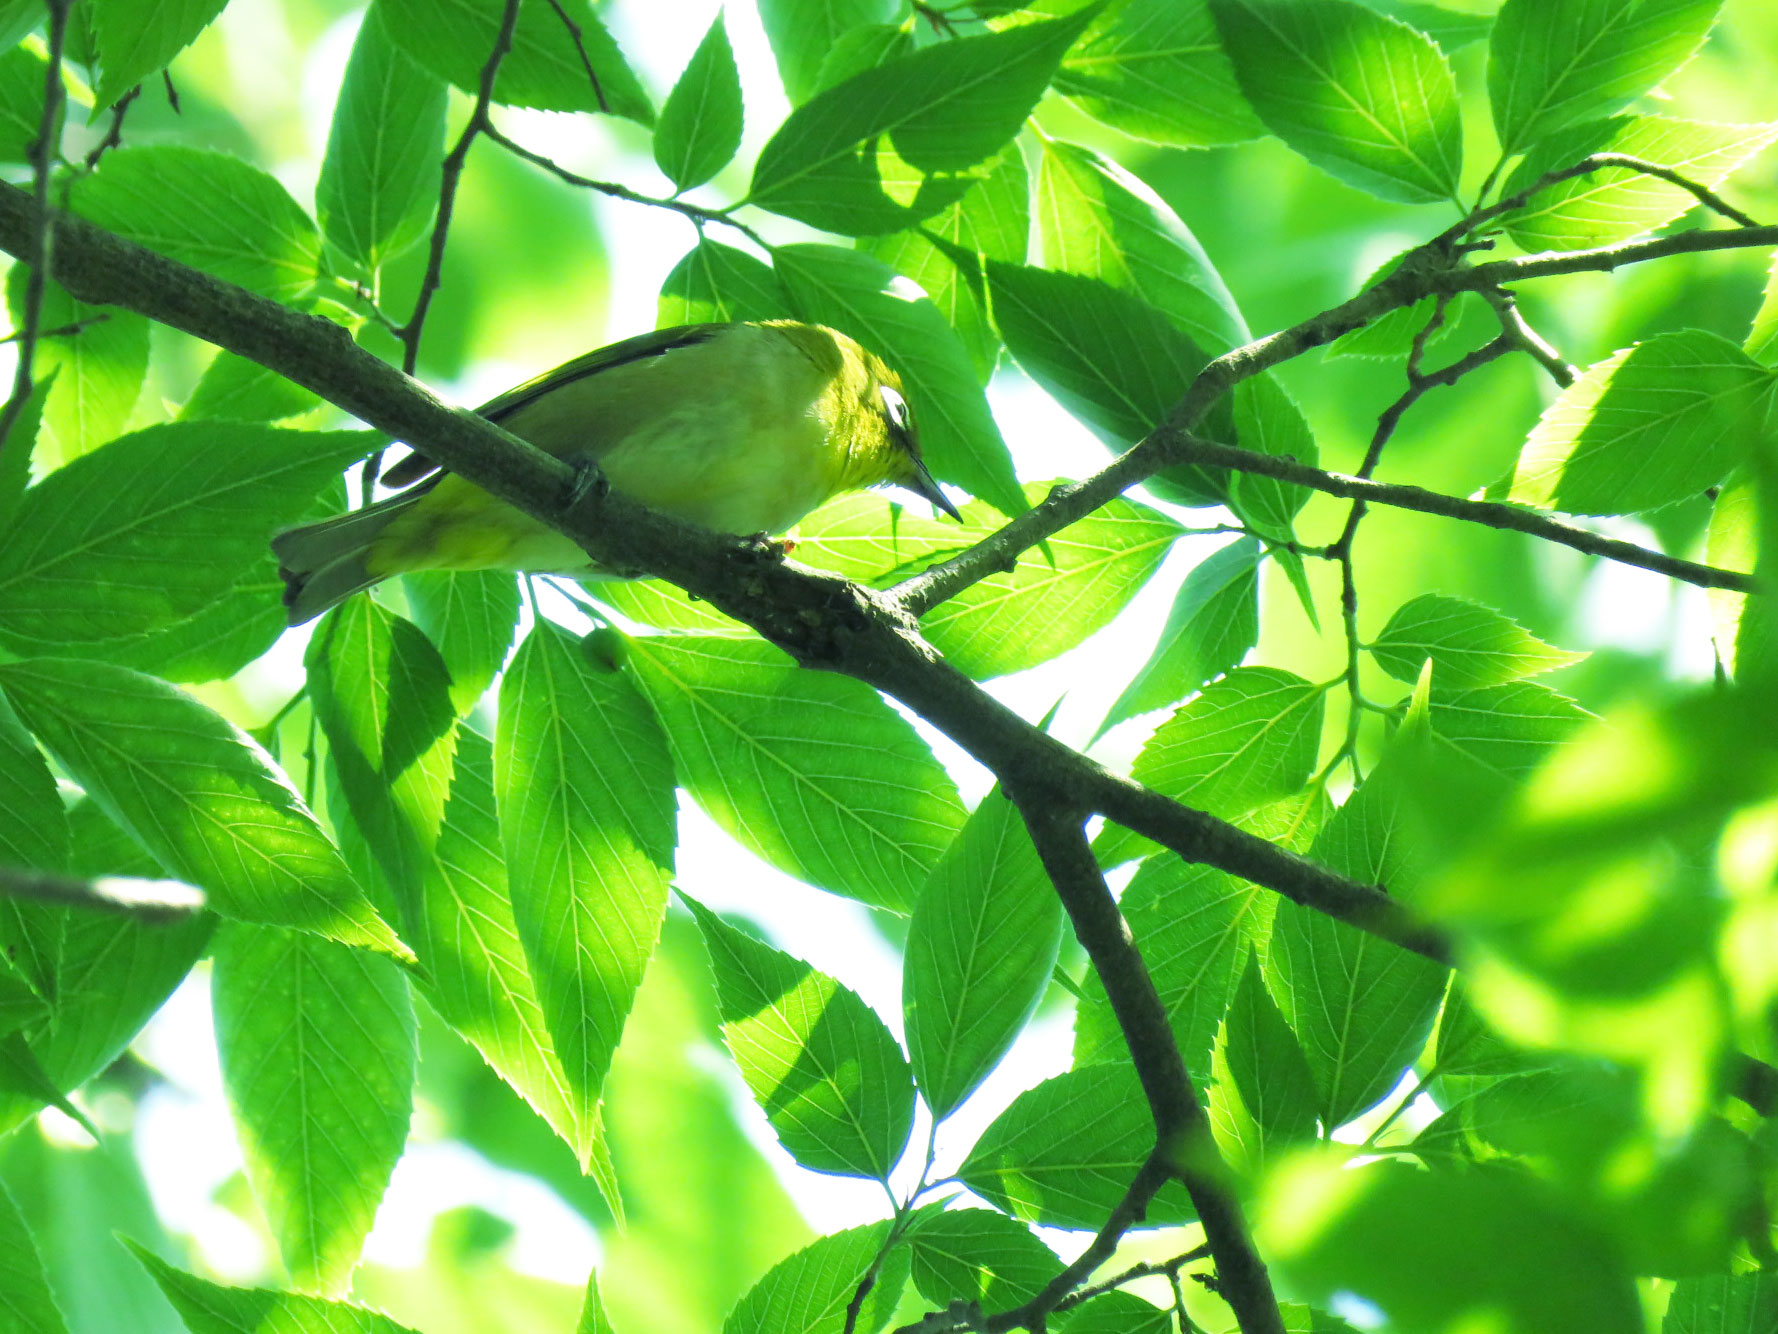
pixel 1185 1147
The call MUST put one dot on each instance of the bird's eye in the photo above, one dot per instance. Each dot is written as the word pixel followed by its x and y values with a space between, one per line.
pixel 895 407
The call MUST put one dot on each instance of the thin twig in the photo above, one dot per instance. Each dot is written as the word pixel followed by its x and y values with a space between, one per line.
pixel 61 330
pixel 43 154
pixel 114 132
pixel 579 39
pixel 1517 330
pixel 698 216
pixel 1585 167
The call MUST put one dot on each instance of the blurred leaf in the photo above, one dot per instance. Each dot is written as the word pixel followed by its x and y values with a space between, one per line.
pixel 716 283
pixel 318 1054
pixel 209 210
pixel 900 142
pixel 1470 646
pixel 1247 739
pixel 980 950
pixel 1762 338
pixel 211 1308
pixel 1360 1007
pixel 470 616
pixel 98 370
pixel 593 1319
pixel 17 447
pixel 1407 1241
pixel 547 67
pixel 1720 1303
pixel 857 49
pixel 1616 203
pixel 1212 625
pixel 33 834
pixel 137 40
pixel 1268 421
pixel 198 793
pixel 18 18
pixel 1364 97
pixel 1746 630
pixel 700 123
pixel 1510 729
pixel 816 1058
pixel 1393 335
pixel 23 75
pixel 380 179
pixel 1096 220
pixel 1196 927
pixel 1554 62
pixel 1451 29
pixel 1050 600
pixel 946 254
pixel 804 33
pixel 977 1255
pixel 154 528
pixel 812 772
pixel 859 295
pixel 1115 1313
pixel 1261 1093
pixel 25 1297
pixel 809 1292
pixel 1154 69
pixel 585 794
pixel 1065 1152
pixel 1651 425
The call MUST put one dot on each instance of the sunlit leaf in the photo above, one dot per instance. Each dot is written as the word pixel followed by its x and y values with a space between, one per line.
pixel 700 122
pixel 470 617
pixel 1261 1094
pixel 978 1255
pixel 99 357
pixel 715 283
pixel 1470 645
pixel 137 40
pixel 809 1293
pixel 23 74
pixel 211 1308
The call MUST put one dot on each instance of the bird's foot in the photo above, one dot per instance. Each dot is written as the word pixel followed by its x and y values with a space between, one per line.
pixel 588 480
pixel 764 547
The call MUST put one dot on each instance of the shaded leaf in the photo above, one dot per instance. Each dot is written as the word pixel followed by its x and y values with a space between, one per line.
pixel 700 123
pixel 715 283
pixel 1261 1094
pixel 809 1292
pixel 136 40
pixel 98 370
pixel 804 34
pixel 978 1255
pixel 1469 645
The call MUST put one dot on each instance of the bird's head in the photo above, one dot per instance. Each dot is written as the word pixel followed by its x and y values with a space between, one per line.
pixel 885 444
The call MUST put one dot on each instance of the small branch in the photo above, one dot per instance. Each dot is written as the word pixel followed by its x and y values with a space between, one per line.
pixel 1185 1147
pixel 1135 1273
pixel 1585 167
pixel 579 39
pixel 61 330
pixel 43 154
pixel 128 896
pixel 699 216
pixel 114 132
pixel 1523 338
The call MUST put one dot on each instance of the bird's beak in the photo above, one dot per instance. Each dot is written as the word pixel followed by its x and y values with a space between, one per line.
pixel 927 488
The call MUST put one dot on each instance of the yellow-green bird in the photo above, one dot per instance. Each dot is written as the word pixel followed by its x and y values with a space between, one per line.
pixel 744 428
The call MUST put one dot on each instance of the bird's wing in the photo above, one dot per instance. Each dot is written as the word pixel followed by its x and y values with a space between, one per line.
pixel 639 348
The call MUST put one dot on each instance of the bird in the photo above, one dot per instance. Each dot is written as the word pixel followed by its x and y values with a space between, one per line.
pixel 742 427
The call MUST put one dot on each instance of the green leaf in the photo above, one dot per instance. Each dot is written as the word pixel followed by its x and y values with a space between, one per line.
pixel 1554 62
pixel 1762 338
pixel 475 973
pixel 1656 423
pixel 816 1058
pixel 1510 729
pixel 593 1319
pixel 318 1055
pixel 1450 28
pixel 859 49
pixel 23 75
pixel 1248 739
pixel 700 124
pixel 1366 98
pixel 1406 1241
pixel 1116 1313
pixel 809 1292
pixel 859 295
pixel 803 33
pixel 137 40
pixel 715 284
pixel 1268 421
pixel 18 18
pixel 381 695
pixel 236 389
pixel 98 370
pixel 1470 645
pixel 34 834
pixel 197 793
pixel 26 1303
pixel 1722 1304
pixel 978 1255
pixel 546 67
pixel 470 616
pixel 810 771
pixel 380 179
pixel 980 950
pixel 209 210
pixel 1360 1007
pixel 1617 203
pixel 1393 335
pixel 585 793
pixel 1261 1094
pixel 154 527
pixel 1155 70
pixel 1744 628
pixel 16 449
pixel 944 257
pixel 900 142
pixel 1065 1152
pixel 211 1308
pixel 1096 220
pixel 1047 604
pixel 1213 623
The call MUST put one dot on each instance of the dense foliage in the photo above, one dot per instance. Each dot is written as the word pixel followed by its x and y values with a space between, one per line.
pixel 1448 836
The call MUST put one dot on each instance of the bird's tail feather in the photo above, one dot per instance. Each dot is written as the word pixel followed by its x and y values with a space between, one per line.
pixel 322 564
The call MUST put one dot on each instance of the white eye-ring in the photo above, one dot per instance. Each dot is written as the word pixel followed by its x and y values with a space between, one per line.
pixel 895 407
